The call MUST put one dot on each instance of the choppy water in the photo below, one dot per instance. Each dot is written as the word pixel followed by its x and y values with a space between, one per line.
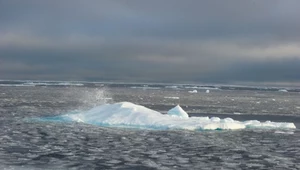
pixel 47 145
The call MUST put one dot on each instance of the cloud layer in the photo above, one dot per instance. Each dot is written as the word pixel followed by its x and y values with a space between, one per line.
pixel 169 41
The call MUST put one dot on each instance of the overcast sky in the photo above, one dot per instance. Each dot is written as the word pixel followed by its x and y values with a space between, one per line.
pixel 150 40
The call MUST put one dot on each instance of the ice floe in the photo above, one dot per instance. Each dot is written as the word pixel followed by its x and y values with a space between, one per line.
pixel 282 90
pixel 193 91
pixel 126 114
pixel 171 97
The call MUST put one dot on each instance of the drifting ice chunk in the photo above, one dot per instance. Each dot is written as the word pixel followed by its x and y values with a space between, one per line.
pixel 193 91
pixel 171 87
pixel 207 91
pixel 178 111
pixel 171 97
pixel 282 90
pixel 130 115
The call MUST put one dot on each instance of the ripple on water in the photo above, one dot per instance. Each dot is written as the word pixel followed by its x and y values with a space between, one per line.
pixel 80 146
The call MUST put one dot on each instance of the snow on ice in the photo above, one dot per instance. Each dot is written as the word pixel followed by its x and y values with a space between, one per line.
pixel 126 114
pixel 178 111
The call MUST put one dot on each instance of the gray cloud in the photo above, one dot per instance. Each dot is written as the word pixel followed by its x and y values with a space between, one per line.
pixel 278 70
pixel 166 41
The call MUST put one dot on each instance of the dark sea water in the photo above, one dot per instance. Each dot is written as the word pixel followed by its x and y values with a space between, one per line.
pixel 27 144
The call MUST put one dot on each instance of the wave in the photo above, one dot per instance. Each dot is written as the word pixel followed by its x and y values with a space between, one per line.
pixel 130 115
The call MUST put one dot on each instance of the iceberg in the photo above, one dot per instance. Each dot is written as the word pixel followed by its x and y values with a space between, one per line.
pixel 129 115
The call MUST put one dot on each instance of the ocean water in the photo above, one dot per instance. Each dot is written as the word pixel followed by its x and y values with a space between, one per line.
pixel 28 144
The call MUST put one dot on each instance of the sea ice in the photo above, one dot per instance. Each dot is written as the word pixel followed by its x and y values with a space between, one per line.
pixel 178 111
pixel 130 115
pixel 237 113
pixel 171 87
pixel 207 91
pixel 193 91
pixel 282 90
pixel 171 97
pixel 145 88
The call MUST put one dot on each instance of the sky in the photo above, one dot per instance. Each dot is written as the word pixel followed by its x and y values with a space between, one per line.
pixel 150 40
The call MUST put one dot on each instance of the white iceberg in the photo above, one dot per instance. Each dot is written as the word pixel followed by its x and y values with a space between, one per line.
pixel 130 115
